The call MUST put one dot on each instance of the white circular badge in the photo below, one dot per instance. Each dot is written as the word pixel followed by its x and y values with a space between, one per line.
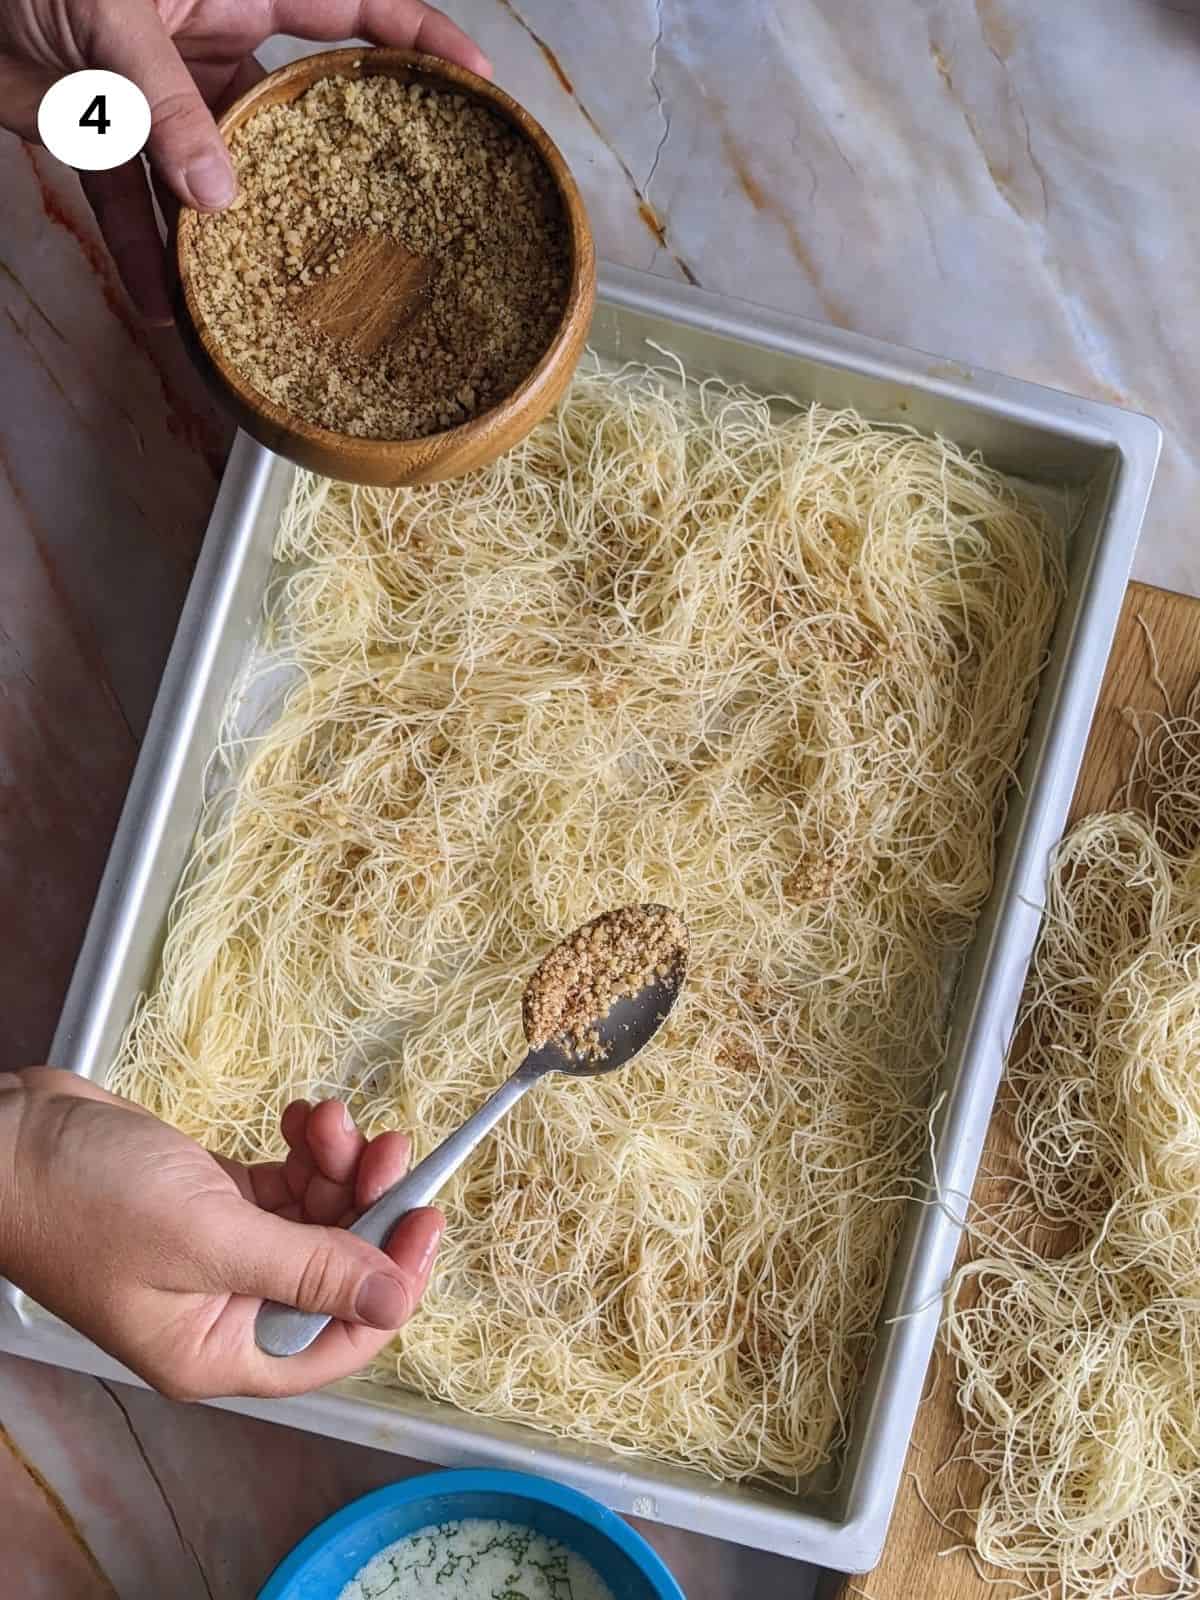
pixel 94 120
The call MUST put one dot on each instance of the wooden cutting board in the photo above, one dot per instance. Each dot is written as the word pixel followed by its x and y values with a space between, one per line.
pixel 911 1565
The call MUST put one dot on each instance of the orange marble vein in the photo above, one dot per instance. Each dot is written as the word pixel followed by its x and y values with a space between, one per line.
pixel 645 210
pixel 42 1543
pixel 189 427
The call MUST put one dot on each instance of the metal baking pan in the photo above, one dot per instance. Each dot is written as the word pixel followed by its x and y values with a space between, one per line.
pixel 1104 457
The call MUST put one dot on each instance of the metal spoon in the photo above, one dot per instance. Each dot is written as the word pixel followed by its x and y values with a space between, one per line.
pixel 629 1025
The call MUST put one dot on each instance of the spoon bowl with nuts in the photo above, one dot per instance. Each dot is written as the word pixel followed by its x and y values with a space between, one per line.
pixel 590 1006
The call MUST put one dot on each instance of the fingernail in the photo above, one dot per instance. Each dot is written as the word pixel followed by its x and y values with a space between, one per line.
pixel 211 182
pixel 430 1250
pixel 382 1302
pixel 347 1120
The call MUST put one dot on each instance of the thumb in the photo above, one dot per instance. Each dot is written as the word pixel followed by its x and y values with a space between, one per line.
pixel 331 1271
pixel 185 144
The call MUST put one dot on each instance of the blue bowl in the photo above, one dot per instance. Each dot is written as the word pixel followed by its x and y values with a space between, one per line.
pixel 322 1564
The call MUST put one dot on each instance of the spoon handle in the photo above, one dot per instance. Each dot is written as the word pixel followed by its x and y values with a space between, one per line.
pixel 284 1331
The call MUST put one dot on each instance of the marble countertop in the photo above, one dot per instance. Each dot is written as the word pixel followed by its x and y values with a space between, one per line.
pixel 108 1491
pixel 998 182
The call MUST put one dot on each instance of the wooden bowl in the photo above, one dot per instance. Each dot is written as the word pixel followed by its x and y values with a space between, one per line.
pixel 391 462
